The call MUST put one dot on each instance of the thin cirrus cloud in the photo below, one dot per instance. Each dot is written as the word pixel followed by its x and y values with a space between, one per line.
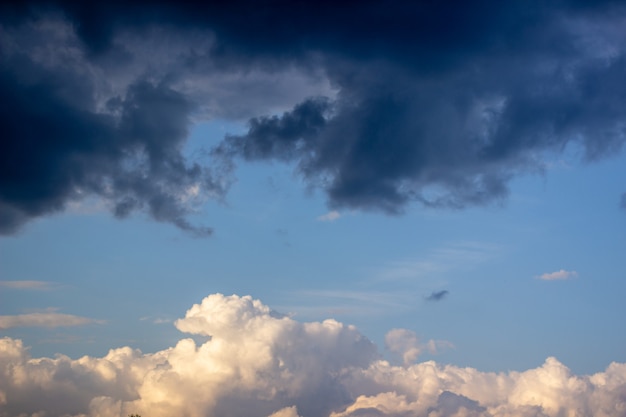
pixel 348 303
pixel 259 364
pixel 431 105
pixel 47 319
pixel 28 285
pixel 449 257
pixel 331 216
pixel 561 274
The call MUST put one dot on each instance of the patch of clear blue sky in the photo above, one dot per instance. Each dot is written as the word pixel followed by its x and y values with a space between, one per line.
pixel 367 269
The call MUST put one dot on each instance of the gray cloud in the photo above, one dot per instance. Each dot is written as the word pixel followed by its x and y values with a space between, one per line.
pixel 437 295
pixel 60 147
pixel 455 138
pixel 417 103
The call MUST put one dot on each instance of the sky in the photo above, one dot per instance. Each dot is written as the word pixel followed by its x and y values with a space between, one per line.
pixel 298 209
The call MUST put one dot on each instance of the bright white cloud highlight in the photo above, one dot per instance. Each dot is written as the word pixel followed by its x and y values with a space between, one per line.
pixel 329 217
pixel 558 275
pixel 286 412
pixel 260 364
pixel 44 320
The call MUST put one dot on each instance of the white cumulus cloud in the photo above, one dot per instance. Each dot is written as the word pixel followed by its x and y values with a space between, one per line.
pixel 406 343
pixel 256 363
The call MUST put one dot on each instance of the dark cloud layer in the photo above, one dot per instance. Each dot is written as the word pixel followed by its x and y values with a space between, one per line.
pixel 57 151
pixel 451 125
pixel 59 147
pixel 434 103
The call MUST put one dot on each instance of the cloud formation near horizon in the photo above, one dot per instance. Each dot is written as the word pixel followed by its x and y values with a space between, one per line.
pixel 379 107
pixel 259 364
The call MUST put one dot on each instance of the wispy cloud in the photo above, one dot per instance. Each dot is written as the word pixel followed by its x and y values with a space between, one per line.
pixel 449 257
pixel 28 285
pixel 156 320
pixel 47 319
pixel 341 302
pixel 437 295
pixel 558 275
pixel 66 339
pixel 331 216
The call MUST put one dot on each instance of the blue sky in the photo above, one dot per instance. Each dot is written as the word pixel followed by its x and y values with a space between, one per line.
pixel 281 209
pixel 368 269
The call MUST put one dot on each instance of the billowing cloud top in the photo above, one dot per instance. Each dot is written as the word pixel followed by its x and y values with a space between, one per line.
pixel 258 364
pixel 379 106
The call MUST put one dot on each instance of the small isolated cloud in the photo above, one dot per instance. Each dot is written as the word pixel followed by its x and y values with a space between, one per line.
pixel 26 285
pixel 329 217
pixel 437 295
pixel 47 319
pixel 558 275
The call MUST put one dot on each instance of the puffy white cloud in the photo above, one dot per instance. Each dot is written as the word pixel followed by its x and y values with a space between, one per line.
pixel 406 343
pixel 257 363
pixel 558 275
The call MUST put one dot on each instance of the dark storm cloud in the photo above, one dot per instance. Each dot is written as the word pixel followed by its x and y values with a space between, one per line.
pixel 437 295
pixel 56 148
pixel 453 137
pixel 433 103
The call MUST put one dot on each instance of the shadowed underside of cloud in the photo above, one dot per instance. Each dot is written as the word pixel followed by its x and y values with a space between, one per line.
pixel 56 151
pixel 429 103
pixel 259 364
